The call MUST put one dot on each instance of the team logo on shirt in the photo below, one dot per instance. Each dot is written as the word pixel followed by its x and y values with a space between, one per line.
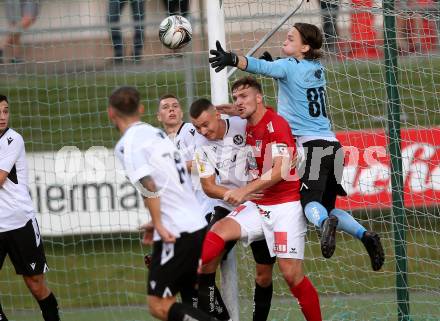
pixel 264 213
pixel 318 73
pixel 192 131
pixel 238 139
pixel 10 140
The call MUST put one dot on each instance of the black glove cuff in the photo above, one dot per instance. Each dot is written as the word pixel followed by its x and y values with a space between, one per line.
pixel 234 58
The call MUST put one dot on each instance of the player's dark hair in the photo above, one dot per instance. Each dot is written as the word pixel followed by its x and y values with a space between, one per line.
pixel 247 81
pixel 199 106
pixel 125 99
pixel 3 98
pixel 312 36
pixel 166 96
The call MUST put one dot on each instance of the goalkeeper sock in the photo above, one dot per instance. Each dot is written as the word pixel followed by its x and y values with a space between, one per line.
pixel 348 224
pixel 2 315
pixel 49 308
pixel 213 245
pixel 181 312
pixel 221 311
pixel 206 300
pixel 315 213
pixel 308 299
pixel 262 302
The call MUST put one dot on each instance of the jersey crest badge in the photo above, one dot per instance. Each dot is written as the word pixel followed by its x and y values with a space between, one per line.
pixel 10 140
pixel 192 131
pixel 238 139
pixel 318 74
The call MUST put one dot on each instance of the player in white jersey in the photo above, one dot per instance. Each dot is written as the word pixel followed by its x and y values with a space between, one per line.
pixel 184 136
pixel 19 233
pixel 222 160
pixel 154 165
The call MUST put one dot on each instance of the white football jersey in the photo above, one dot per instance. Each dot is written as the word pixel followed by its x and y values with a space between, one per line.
pixel 146 151
pixel 228 158
pixel 185 141
pixel 16 207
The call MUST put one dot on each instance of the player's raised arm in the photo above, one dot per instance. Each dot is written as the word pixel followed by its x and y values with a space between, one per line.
pixel 222 59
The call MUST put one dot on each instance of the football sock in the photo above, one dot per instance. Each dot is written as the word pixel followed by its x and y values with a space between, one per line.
pixel 315 213
pixel 206 300
pixel 49 308
pixel 213 246
pixel 181 312
pixel 262 302
pixel 308 300
pixel 2 314
pixel 190 296
pixel 348 224
pixel 221 311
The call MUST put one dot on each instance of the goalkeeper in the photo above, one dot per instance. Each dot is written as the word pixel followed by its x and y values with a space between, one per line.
pixel 302 102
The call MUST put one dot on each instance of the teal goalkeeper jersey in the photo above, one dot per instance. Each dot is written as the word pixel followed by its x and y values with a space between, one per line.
pixel 301 93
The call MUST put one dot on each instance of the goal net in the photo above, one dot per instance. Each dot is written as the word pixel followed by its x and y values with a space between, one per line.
pixel 89 215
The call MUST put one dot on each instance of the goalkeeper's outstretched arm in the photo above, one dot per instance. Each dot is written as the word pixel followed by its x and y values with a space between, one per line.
pixel 264 66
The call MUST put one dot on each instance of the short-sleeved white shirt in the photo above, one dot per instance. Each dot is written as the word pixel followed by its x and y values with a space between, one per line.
pixel 16 207
pixel 228 158
pixel 185 140
pixel 146 151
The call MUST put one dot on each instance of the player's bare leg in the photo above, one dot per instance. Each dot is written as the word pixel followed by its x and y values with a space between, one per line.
pixel 46 299
pixel 301 288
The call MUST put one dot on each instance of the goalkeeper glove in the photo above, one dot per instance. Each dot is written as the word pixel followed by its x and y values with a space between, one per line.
pixel 222 58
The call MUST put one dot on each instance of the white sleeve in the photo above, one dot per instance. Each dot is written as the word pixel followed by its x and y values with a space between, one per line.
pixel 10 153
pixel 188 147
pixel 137 165
pixel 204 167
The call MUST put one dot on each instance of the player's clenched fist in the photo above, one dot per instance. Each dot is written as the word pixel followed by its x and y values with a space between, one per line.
pixel 222 58
pixel 148 230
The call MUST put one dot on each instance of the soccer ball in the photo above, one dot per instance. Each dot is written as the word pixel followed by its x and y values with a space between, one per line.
pixel 175 32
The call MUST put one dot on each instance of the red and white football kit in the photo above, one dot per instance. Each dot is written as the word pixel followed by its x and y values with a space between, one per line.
pixel 280 218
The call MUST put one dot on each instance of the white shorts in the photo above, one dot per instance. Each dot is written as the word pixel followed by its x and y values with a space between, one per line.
pixel 283 226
